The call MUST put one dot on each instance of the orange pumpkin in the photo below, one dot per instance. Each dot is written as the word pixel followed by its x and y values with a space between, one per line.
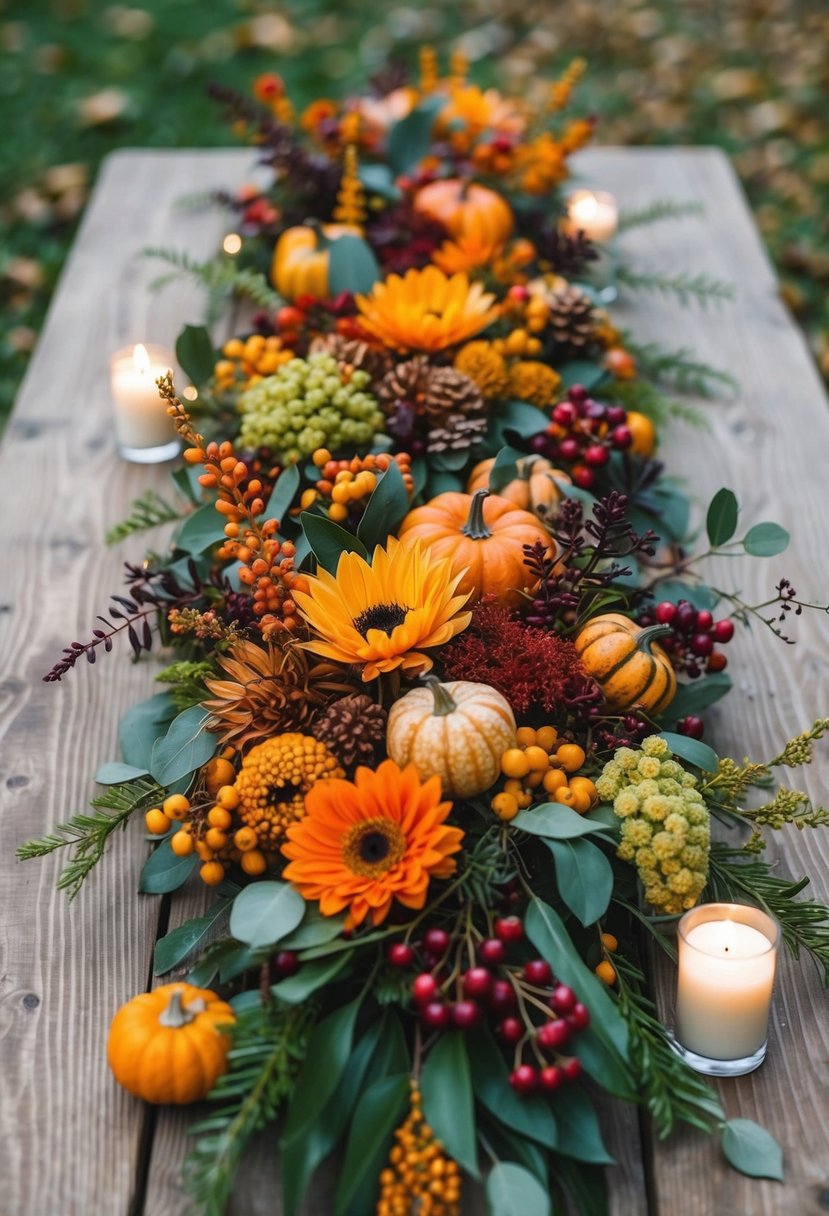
pixel 167 1046
pixel 484 536
pixel 466 210
pixel 299 267
pixel 623 658
pixel 536 488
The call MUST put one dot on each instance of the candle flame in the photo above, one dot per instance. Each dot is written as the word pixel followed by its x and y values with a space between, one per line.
pixel 140 359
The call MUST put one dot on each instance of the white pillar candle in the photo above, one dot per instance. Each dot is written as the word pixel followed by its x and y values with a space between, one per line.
pixel 141 420
pixel 593 212
pixel 727 956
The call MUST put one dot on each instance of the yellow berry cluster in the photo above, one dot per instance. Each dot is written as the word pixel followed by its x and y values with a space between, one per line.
pixel 346 482
pixel 518 342
pixel 274 778
pixel 247 362
pixel 541 765
pixel 207 828
pixel 419 1177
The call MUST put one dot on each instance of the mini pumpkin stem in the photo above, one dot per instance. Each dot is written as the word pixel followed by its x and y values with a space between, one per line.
pixel 475 527
pixel 443 702
pixel 644 639
pixel 176 1014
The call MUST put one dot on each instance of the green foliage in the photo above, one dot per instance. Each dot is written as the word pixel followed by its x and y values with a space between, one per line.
pixel 446 1086
pixel 265 912
pixel 352 266
pixel 176 945
pixel 269 1045
pixel 721 520
pixel 164 871
pixel 670 1091
pixel 185 747
pixel 149 510
pixel 88 834
pixel 512 1190
pixel 659 209
pixel 329 541
pixel 752 1150
pixel 195 354
pixel 700 289
pixel 186 680
pixel 680 370
pixel 221 277
pixel 584 877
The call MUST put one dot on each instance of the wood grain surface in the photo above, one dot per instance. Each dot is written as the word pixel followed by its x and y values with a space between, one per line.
pixel 71 1144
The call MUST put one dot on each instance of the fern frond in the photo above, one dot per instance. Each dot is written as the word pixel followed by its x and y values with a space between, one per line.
pixel 147 511
pixel 701 289
pixel 680 370
pixel 269 1045
pixel 659 209
pixel 221 277
pixel 87 835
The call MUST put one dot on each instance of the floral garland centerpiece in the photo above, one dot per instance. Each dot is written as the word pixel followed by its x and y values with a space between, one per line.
pixel 433 728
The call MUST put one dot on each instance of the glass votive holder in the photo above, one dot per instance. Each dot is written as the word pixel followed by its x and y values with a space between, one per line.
pixel 143 430
pixel 596 214
pixel 727 960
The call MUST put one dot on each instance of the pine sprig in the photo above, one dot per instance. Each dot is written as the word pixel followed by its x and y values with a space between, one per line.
pixel 147 511
pixel 680 371
pixel 670 1091
pixel 641 395
pixel 659 209
pixel 701 289
pixel 221 277
pixel 804 923
pixel 268 1047
pixel 87 835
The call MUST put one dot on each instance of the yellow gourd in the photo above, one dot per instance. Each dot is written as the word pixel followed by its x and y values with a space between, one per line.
pixel 299 267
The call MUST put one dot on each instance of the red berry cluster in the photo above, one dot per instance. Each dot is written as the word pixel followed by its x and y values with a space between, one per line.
pixel 513 996
pixel 584 433
pixel 694 635
pixel 297 323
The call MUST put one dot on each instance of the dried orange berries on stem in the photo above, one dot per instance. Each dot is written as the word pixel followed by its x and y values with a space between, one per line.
pixel 542 766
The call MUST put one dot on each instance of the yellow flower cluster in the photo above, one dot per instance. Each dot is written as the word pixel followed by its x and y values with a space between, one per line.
pixel 274 779
pixel 665 823
pixel 246 363
pixel 419 1177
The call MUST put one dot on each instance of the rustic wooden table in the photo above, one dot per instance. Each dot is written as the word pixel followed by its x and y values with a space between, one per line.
pixel 71 1142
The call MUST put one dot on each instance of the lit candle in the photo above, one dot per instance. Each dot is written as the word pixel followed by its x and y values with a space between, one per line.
pixel 727 956
pixel 142 427
pixel 593 212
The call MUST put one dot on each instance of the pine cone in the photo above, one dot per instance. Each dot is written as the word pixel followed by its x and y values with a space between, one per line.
pixel 572 320
pixel 351 351
pixel 354 729
pixel 448 404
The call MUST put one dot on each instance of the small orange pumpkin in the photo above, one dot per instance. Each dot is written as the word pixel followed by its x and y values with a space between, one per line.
pixel 536 488
pixel 167 1046
pixel 466 210
pixel 484 536
pixel 458 730
pixel 623 658
pixel 299 267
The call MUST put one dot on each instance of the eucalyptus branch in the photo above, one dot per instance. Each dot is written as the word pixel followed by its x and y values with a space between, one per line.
pixel 87 835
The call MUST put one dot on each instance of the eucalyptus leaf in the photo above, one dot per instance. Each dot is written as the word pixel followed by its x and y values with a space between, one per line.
pixel 186 481
pixel 521 419
pixel 183 940
pixel 141 725
pixel 698 695
pixel 692 750
pixel 200 530
pixel 410 138
pixel 513 1191
pixel 766 540
pixel 752 1150
pixel 721 520
pixel 329 541
pixel 584 877
pixel 352 267
pixel 163 871
pixel 379 1111
pixel 505 468
pixel 266 912
pixel 195 354
pixel 589 375
pixel 449 461
pixel 379 179
pixel 580 1135
pixel 310 977
pixel 314 930
pixel 698 594
pixel 115 773
pixel 185 747
pixel 287 484
pixel 554 821
pixel 446 1086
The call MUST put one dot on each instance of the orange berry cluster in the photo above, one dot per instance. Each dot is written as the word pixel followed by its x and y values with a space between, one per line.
pixel 518 343
pixel 605 970
pixel 419 1177
pixel 346 482
pixel 246 363
pixel 540 765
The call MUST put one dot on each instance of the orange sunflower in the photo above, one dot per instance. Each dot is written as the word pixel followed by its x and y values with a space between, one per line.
pixel 426 310
pixel 379 615
pixel 364 843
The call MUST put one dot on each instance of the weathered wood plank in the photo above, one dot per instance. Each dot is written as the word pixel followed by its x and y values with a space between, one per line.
pixel 768 446
pixel 69 1137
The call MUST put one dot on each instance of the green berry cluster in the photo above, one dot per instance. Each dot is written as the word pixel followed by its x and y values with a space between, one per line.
pixel 309 404
pixel 666 828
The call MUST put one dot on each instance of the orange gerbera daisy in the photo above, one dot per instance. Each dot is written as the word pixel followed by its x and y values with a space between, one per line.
pixel 426 310
pixel 379 615
pixel 364 843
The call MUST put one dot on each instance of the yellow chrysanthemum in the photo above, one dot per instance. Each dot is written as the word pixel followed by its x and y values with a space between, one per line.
pixel 426 310
pixel 483 364
pixel 380 615
pixel 534 382
pixel 364 843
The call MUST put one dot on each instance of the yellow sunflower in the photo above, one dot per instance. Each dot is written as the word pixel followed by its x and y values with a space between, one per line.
pixel 426 310
pixel 378 615
pixel 364 843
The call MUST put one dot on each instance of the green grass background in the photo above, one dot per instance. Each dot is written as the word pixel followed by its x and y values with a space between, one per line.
pixel 79 78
